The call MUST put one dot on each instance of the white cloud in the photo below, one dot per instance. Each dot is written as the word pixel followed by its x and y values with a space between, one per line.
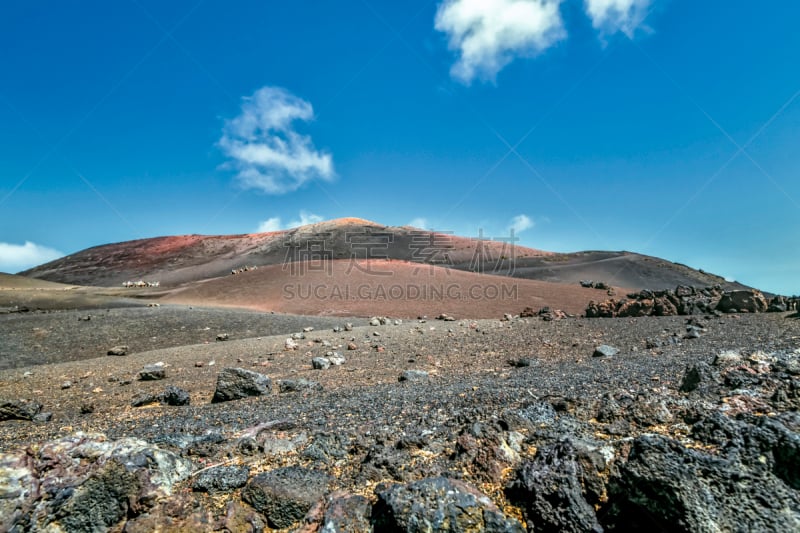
pixel 419 222
pixel 611 16
pixel 18 257
pixel 271 224
pixel 489 34
pixel 520 223
pixel 275 224
pixel 264 147
pixel 305 219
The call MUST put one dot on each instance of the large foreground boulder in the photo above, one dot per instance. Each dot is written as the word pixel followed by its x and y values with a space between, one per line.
pixel 238 383
pixel 666 487
pixel 438 504
pixel 554 486
pixel 84 483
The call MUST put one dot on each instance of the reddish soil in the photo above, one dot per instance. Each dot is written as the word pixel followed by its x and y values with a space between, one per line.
pixel 396 288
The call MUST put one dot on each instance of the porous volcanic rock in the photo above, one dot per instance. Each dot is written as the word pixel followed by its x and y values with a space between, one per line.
pixel 683 300
pixel 238 383
pixel 551 489
pixel 743 301
pixel 85 483
pixel 19 409
pixel 285 495
pixel 665 486
pixel 438 504
pixel 221 479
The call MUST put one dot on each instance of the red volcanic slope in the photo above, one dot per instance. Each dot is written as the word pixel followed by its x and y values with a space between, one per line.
pixel 390 288
pixel 187 258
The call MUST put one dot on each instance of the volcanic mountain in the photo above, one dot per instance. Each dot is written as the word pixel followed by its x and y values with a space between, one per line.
pixel 177 260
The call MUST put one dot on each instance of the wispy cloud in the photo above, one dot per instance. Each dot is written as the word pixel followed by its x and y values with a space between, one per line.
pixel 264 148
pixel 419 222
pixel 18 257
pixel 489 34
pixel 271 224
pixel 275 223
pixel 612 16
pixel 520 223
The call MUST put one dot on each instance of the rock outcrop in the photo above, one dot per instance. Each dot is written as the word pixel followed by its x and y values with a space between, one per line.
pixel 681 301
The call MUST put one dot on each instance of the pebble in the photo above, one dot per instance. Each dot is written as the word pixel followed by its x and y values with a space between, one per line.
pixel 336 359
pixel 320 363
pixel 604 350
pixel 153 372
pixel 290 344
pixel 413 375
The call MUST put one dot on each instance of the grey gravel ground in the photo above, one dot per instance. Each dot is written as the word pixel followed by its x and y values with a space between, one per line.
pixel 365 427
pixel 45 337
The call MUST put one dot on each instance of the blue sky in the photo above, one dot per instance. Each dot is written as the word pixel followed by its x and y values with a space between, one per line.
pixel 663 127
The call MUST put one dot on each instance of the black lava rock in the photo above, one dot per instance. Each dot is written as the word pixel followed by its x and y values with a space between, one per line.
pixel 238 383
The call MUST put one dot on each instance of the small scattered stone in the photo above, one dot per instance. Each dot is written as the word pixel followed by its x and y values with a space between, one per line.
pixel 604 350
pixel 153 372
pixel 143 398
pixel 321 363
pixel 43 417
pixel 290 344
pixel 118 350
pixel 222 337
pixel 352 346
pixel 19 409
pixel 336 359
pixel 298 385
pixel 66 385
pixel 413 375
pixel 694 377
pixel 175 396
pixel 348 327
pixel 728 357
pixel 692 334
